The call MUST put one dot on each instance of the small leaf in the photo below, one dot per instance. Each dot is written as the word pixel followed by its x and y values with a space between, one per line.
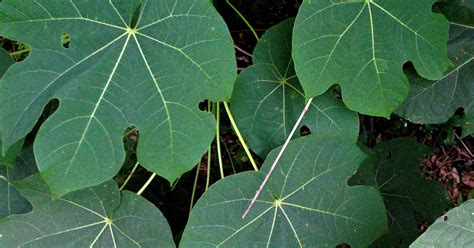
pixel 5 61
pixel 394 169
pixel 113 76
pixel 362 45
pixel 452 230
pixel 468 122
pixel 11 200
pixel 306 202
pixel 435 102
pixel 100 216
pixel 8 160
pixel 268 98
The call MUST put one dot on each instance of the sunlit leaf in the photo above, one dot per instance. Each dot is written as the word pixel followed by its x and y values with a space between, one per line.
pixel 268 98
pixel 362 45
pixel 307 202
pixel 436 101
pixel 145 64
pixel 100 216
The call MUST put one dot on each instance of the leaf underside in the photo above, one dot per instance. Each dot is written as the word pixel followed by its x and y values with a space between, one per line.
pixel 100 216
pixel 268 99
pixel 115 75
pixel 305 203
pixel 362 46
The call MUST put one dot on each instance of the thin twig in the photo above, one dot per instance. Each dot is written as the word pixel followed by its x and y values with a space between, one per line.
pixel 228 154
pixel 208 174
pixel 463 144
pixel 282 150
pixel 242 51
pixel 146 184
pixel 129 176
pixel 243 19
pixel 193 194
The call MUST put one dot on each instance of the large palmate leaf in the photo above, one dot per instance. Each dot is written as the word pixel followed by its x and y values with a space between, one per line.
pixel 362 45
pixel 306 203
pixel 101 216
pixel 11 201
pixel 436 101
pixel 268 98
pixel 145 64
pixel 394 169
pixel 452 230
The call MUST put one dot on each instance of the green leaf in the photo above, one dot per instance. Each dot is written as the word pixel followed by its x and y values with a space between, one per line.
pixel 457 11
pixel 305 203
pixel 12 202
pixel 362 45
pixel 436 101
pixel 8 159
pixel 5 61
pixel 468 122
pixel 114 75
pixel 268 98
pixel 454 229
pixel 394 169
pixel 100 216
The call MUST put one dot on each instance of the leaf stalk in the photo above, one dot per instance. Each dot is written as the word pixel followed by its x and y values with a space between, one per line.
pixel 239 135
pixel 282 150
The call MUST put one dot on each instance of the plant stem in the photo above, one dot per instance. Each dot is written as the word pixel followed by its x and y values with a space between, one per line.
pixel 243 19
pixel 129 176
pixel 229 156
pixel 20 52
pixel 282 150
pixel 146 184
pixel 243 51
pixel 239 135
pixel 208 176
pixel 194 188
pixel 218 139
pixel 175 184
pixel 463 144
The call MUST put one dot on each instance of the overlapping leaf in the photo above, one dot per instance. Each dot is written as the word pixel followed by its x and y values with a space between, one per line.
pixel 362 45
pixel 452 230
pixel 144 63
pixel 11 201
pixel 7 159
pixel 306 203
pixel 468 121
pixel 394 170
pixel 100 216
pixel 436 101
pixel 268 98
pixel 5 61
